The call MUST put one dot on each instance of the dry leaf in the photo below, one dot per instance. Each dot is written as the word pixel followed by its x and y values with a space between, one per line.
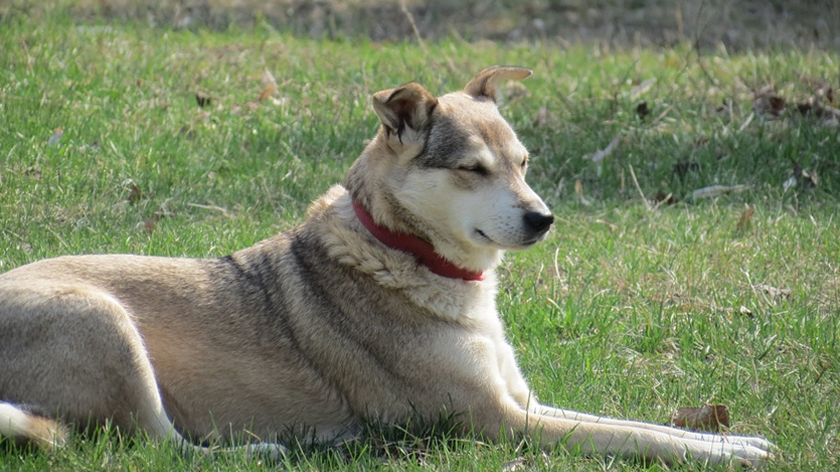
pixel 642 109
pixel 203 99
pixel 773 292
pixel 579 192
pixel 767 102
pixel 746 311
pixel 266 92
pixel 813 107
pixel 705 418
pixel 56 136
pixel 822 88
pixel 269 85
pixel 134 192
pixel 746 218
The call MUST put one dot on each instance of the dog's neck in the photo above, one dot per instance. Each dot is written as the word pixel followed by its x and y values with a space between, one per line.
pixel 417 247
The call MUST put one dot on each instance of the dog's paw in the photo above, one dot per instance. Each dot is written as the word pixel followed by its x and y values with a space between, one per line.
pixel 750 456
pixel 269 451
pixel 759 443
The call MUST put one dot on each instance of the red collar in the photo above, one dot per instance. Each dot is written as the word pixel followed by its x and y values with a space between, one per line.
pixel 420 249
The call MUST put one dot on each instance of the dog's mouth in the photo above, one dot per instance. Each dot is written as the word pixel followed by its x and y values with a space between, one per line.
pixel 492 242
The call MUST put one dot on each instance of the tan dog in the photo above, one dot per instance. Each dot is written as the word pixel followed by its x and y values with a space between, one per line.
pixel 381 305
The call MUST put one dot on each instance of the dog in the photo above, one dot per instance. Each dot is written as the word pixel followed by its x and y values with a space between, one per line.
pixel 380 305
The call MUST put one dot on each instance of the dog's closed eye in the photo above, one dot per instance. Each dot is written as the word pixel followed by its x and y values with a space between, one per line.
pixel 474 168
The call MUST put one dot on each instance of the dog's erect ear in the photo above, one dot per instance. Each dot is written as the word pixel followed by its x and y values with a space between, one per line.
pixel 409 106
pixel 485 84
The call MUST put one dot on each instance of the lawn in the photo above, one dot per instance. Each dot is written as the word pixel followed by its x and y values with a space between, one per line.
pixel 646 297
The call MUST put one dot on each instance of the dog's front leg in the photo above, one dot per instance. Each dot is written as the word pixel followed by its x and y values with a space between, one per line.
pixel 550 411
pixel 515 383
pixel 518 388
pixel 604 438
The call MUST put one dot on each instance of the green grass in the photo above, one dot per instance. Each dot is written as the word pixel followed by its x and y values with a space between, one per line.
pixel 624 311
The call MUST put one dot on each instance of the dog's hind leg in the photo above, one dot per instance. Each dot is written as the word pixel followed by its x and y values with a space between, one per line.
pixel 72 352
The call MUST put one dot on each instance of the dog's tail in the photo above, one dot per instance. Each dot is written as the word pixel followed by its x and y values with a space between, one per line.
pixel 22 426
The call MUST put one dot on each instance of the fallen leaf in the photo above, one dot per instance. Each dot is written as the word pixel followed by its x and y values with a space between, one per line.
pixel 773 292
pixel 134 192
pixel 767 102
pixel 705 418
pixel 203 99
pixel 746 311
pixel 56 136
pixel 642 109
pixel 269 85
pixel 149 224
pixel 813 108
pixel 745 222
pixel 579 192
pixel 717 190
pixel 822 88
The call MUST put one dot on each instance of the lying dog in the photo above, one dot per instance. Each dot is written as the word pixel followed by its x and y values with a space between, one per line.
pixel 380 305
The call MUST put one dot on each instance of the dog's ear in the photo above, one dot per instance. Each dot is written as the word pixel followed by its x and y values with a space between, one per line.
pixel 485 84
pixel 408 106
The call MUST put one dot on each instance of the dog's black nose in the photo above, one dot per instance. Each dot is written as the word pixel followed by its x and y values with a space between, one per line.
pixel 538 222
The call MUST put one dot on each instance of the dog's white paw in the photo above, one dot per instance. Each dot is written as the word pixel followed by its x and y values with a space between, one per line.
pixel 759 443
pixel 748 455
pixel 270 451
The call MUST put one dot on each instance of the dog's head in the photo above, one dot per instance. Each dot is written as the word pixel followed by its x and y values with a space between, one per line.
pixel 451 170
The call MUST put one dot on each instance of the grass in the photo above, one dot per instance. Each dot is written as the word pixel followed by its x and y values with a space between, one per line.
pixel 628 309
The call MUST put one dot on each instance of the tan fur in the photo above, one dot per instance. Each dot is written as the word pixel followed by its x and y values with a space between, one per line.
pixel 314 330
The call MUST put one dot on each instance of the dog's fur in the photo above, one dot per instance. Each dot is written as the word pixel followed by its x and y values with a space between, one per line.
pixel 316 329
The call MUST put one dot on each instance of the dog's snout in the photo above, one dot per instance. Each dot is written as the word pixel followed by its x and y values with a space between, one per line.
pixel 538 222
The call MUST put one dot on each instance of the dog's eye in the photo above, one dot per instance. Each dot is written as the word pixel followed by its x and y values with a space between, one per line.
pixel 474 168
pixel 524 164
